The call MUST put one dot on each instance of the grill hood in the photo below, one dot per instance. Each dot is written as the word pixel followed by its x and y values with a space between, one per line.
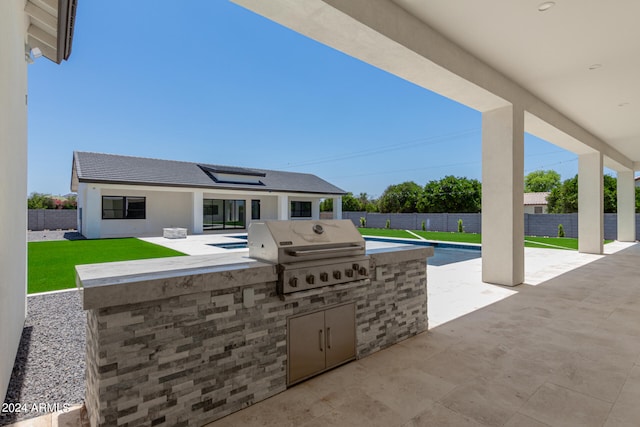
pixel 294 241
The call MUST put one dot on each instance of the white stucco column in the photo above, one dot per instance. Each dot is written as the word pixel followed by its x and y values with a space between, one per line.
pixel 626 207
pixel 13 184
pixel 337 207
pixel 197 218
pixel 590 203
pixel 315 209
pixel 93 213
pixel 503 196
pixel 283 207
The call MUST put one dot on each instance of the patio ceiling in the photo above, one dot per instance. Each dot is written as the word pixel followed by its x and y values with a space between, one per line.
pixel 573 67
pixel 582 57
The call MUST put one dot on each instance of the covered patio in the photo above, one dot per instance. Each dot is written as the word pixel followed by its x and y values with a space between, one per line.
pixel 560 350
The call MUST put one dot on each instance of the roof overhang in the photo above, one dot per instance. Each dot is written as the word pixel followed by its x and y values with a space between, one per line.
pixel 50 27
pixel 238 188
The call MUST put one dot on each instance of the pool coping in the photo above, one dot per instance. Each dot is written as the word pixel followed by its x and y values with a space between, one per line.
pixel 434 243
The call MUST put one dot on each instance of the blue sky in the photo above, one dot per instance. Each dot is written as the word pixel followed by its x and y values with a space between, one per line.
pixel 215 83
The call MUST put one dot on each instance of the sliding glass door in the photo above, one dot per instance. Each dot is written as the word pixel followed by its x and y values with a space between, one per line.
pixel 221 214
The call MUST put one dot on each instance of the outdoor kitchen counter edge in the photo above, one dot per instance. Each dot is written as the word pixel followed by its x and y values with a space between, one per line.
pixel 399 253
pixel 129 282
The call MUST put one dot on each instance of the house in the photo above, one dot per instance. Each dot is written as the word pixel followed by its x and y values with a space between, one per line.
pixel 637 180
pixel 121 196
pixel 535 203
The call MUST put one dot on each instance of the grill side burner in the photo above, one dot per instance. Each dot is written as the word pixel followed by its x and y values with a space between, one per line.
pixel 310 253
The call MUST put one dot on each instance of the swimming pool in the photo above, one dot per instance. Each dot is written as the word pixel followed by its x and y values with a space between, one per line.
pixel 444 252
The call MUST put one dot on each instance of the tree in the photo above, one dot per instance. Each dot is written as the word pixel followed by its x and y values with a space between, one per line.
pixel 564 198
pixel 451 194
pixel 40 201
pixel 400 198
pixel 367 203
pixel 541 181
pixel 326 205
pixel 610 194
pixel 349 204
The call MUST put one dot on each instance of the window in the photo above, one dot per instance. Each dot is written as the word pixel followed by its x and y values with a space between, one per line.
pixel 123 207
pixel 255 209
pixel 218 214
pixel 301 209
pixel 537 209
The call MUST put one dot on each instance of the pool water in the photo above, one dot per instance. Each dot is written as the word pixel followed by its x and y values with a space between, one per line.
pixel 444 253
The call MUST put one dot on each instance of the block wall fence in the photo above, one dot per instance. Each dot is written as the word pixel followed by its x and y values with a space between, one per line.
pixel 534 224
pixel 52 219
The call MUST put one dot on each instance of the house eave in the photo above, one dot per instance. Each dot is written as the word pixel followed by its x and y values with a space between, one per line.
pixel 50 28
pixel 210 187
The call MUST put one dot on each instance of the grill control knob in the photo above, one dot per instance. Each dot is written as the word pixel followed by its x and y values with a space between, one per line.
pixel 293 282
pixel 337 274
pixel 311 279
pixel 356 267
pixel 348 272
pixel 324 277
pixel 362 271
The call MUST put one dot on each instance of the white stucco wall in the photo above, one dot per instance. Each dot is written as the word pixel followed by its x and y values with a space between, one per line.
pixel 170 207
pixel 13 184
pixel 268 207
pixel 163 209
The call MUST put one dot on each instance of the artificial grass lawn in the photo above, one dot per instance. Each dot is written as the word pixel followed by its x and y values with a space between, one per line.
pixel 51 264
pixel 532 242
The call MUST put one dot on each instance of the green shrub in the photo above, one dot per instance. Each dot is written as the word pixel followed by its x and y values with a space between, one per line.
pixel 560 230
pixel 388 224
pixel 363 222
pixel 460 227
pixel 424 227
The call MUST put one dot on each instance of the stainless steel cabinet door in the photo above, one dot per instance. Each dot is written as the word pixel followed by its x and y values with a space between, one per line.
pixel 306 346
pixel 340 334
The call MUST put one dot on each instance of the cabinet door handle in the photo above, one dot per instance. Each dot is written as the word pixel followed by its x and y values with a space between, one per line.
pixel 329 338
pixel 320 335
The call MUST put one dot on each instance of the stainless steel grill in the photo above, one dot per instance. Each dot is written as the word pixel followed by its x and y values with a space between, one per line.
pixel 310 253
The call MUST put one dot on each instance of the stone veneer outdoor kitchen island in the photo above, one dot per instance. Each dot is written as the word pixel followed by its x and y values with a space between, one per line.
pixel 185 341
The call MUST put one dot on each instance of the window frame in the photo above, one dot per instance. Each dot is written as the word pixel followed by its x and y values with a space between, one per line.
pixel 255 209
pixel 236 204
pixel 125 207
pixel 299 211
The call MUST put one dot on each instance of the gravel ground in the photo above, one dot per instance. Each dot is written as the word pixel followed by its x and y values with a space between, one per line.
pixel 49 367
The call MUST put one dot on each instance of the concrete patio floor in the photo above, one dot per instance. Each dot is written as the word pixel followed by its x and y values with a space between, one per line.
pixel 561 350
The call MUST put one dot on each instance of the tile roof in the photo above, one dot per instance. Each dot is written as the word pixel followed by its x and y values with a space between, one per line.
pixel 116 169
pixel 535 198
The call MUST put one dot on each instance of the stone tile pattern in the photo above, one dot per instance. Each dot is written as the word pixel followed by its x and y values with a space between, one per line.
pixel 191 359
